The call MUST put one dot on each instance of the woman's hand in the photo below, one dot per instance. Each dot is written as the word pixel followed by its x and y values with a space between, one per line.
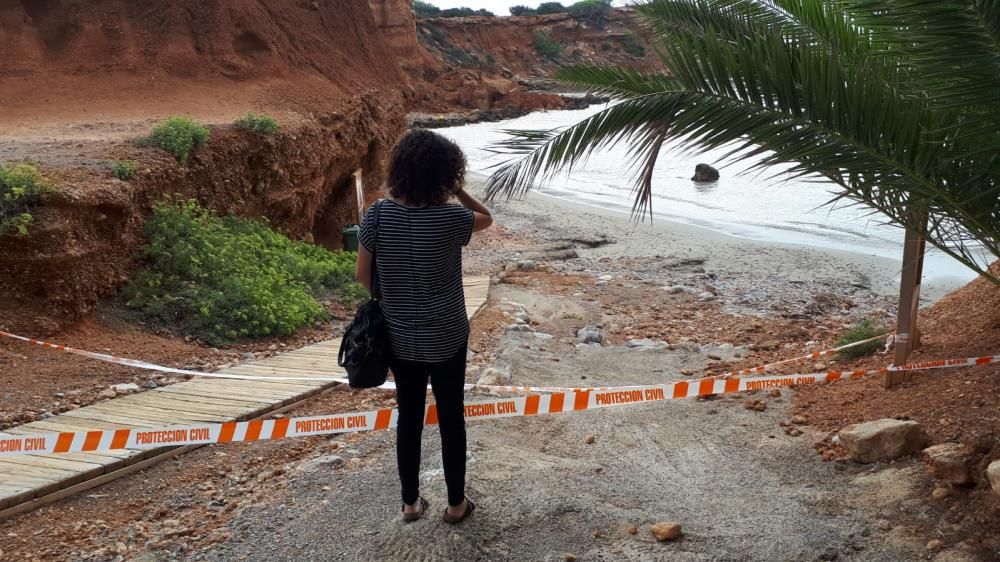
pixel 483 216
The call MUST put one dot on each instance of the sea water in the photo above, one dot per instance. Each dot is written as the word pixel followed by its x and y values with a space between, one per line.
pixel 766 206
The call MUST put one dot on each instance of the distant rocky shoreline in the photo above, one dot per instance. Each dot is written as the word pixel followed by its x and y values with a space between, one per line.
pixel 455 119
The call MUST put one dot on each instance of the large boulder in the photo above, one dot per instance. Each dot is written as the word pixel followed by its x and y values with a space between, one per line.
pixel 882 440
pixel 993 474
pixel 949 462
pixel 590 334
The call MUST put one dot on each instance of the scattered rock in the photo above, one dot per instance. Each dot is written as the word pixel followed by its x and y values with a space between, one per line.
pixel 108 393
pixel 125 388
pixel 666 531
pixel 590 334
pixel 993 474
pixel 883 525
pixel 645 344
pixel 543 336
pixel 934 545
pixel 249 356
pixel 819 367
pixel 494 377
pixel 676 289
pixel 633 530
pixel 518 328
pixel 332 461
pixel 799 420
pixel 882 440
pixel 151 384
pixel 949 462
pixel 714 356
pixel 569 558
pixel 589 440
pixel 940 493
pixel 755 405
pixel 704 172
pixel 60 395
pixel 706 297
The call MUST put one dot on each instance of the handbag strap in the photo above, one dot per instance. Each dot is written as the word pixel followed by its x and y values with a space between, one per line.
pixel 377 210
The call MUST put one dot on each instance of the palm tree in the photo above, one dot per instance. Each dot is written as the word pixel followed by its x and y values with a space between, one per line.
pixel 897 102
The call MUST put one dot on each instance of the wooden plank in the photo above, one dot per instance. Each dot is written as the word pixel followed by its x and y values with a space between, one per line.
pixel 133 421
pixel 172 405
pixel 62 477
pixel 38 486
pixel 200 399
pixel 88 468
pixel 11 494
pixel 155 416
pixel 198 392
pixel 907 333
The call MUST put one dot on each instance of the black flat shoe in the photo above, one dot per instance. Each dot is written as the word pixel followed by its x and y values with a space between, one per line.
pixel 411 517
pixel 469 508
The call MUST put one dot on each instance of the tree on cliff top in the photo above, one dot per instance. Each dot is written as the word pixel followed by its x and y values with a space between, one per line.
pixel 522 11
pixel 425 9
pixel 897 102
pixel 550 8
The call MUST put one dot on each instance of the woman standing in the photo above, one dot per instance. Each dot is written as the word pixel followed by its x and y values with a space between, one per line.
pixel 418 243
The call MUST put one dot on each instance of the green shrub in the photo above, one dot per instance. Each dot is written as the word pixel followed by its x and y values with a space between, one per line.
pixel 20 187
pixel 633 45
pixel 425 10
pixel 522 11
pixel 546 46
pixel 224 278
pixel 859 332
pixel 179 136
pixel 123 169
pixel 550 8
pixel 260 123
pixel 593 11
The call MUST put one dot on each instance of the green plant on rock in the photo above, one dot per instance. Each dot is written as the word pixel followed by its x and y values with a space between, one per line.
pixel 866 329
pixel 260 123
pixel 179 136
pixel 21 185
pixel 546 46
pixel 633 46
pixel 226 278
pixel 123 169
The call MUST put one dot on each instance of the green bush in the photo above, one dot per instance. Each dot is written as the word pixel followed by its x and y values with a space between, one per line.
pixel 593 11
pixel 123 169
pixel 550 8
pixel 546 46
pixel 224 278
pixel 633 45
pixel 20 187
pixel 522 11
pixel 425 10
pixel 260 123
pixel 179 136
pixel 859 332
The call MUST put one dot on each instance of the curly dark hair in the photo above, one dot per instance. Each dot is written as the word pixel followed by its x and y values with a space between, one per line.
pixel 426 168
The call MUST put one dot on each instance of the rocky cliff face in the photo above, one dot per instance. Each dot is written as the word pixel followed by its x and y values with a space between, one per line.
pixel 85 79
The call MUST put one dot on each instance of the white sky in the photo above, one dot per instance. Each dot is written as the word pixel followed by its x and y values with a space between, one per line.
pixel 498 7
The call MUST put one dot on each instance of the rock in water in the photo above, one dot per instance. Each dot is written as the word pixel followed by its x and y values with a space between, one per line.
pixel 590 334
pixel 882 440
pixel 666 531
pixel 993 473
pixel 949 462
pixel 704 172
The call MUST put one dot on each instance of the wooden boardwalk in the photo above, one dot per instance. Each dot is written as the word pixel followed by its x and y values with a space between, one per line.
pixel 27 481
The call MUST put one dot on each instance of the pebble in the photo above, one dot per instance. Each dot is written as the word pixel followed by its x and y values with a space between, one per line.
pixel 151 384
pixel 935 544
pixel 107 393
pixel 665 531
pixel 883 525
pixel 589 440
pixel 940 493
pixel 60 395
pixel 569 558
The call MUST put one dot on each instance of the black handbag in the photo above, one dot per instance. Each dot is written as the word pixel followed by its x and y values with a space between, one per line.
pixel 365 349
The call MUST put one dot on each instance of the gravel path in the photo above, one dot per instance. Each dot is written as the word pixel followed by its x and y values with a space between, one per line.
pixel 741 489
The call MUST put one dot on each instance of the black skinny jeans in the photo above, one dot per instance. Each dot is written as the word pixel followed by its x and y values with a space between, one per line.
pixel 448 382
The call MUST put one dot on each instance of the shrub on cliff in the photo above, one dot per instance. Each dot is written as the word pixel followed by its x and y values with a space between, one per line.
pixel 866 329
pixel 546 46
pixel 522 11
pixel 633 45
pixel 20 187
pixel 425 10
pixel 178 136
pixel 261 123
pixel 592 11
pixel 224 278
pixel 123 169
pixel 550 8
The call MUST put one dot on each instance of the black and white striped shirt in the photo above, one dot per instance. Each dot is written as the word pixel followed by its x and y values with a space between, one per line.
pixel 419 260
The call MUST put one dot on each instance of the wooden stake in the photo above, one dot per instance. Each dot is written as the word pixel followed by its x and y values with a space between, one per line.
pixel 359 190
pixel 907 332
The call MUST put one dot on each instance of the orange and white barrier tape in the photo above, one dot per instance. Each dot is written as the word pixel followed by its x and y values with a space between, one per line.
pixel 812 356
pixel 531 405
